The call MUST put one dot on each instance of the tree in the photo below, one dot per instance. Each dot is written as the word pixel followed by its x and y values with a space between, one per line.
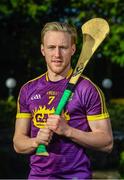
pixel 113 12
pixel 22 20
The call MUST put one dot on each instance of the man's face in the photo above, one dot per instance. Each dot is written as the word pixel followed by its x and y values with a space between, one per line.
pixel 57 50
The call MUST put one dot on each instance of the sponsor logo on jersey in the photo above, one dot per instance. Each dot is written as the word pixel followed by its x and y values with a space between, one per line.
pixel 40 116
pixel 36 96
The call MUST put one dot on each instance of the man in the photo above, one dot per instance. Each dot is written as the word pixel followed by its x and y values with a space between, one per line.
pixel 84 123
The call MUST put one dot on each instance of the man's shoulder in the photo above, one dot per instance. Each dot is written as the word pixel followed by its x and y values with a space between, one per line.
pixel 86 84
pixel 84 80
pixel 35 81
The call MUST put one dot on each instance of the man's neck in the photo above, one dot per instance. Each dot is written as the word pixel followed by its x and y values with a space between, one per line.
pixel 58 76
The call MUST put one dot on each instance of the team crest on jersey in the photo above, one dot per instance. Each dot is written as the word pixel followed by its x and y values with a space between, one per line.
pixel 40 116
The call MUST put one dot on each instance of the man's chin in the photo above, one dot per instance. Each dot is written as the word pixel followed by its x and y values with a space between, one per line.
pixel 58 70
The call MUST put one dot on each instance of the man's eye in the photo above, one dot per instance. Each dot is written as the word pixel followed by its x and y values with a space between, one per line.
pixel 51 47
pixel 63 47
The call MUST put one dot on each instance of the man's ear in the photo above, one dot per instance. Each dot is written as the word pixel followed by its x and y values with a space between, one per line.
pixel 73 49
pixel 42 49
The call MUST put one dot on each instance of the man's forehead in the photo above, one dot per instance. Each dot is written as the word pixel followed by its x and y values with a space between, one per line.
pixel 58 36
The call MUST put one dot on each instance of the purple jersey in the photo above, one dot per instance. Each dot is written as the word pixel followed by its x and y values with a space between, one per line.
pixel 37 99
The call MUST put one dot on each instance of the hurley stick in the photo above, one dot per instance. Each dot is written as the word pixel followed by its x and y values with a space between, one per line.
pixel 94 32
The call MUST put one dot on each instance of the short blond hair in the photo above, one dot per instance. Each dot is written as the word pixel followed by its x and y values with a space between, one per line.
pixel 62 27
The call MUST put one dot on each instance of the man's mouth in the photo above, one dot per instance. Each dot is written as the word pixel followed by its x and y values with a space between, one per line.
pixel 57 61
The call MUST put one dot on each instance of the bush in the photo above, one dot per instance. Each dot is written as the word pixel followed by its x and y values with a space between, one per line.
pixel 7 112
pixel 121 167
pixel 13 165
pixel 116 112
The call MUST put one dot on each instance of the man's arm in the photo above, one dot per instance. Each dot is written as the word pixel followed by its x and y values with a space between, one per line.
pixel 100 137
pixel 22 141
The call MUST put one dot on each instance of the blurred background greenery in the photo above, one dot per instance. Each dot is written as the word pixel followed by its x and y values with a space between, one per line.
pixel 20 24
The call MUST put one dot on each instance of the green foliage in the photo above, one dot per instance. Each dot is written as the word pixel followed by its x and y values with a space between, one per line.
pixel 27 7
pixel 21 23
pixel 7 112
pixel 116 112
pixel 113 12
pixel 28 16
pixel 121 167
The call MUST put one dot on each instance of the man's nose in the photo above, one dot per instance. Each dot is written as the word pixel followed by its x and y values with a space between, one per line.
pixel 57 51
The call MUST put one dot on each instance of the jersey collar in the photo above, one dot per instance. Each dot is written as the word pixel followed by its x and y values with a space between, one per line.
pixel 67 77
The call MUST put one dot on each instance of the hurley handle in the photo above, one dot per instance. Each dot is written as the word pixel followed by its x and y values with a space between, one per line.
pixel 41 150
pixel 65 97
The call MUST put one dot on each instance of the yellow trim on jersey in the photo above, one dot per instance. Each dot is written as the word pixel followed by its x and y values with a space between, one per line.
pixel 68 74
pixel 102 98
pixel 18 105
pixel 35 78
pixel 97 117
pixel 101 95
pixel 47 78
pixel 23 115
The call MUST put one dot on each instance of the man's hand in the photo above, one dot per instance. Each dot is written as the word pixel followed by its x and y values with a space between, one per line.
pixel 44 136
pixel 58 124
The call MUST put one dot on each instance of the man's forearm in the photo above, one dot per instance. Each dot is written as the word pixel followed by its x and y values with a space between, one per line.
pixel 24 144
pixel 95 140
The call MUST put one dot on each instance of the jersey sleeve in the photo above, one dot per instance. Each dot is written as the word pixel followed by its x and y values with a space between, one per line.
pixel 22 105
pixel 95 104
